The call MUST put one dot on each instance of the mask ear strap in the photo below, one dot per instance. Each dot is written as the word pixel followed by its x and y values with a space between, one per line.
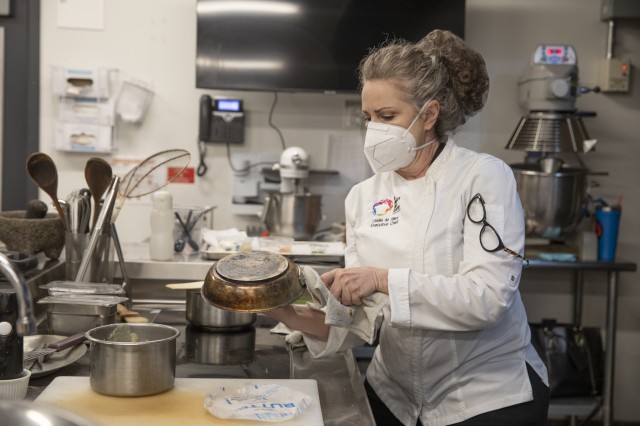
pixel 406 132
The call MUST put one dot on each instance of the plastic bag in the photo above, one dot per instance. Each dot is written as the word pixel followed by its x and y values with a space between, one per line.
pixel 268 403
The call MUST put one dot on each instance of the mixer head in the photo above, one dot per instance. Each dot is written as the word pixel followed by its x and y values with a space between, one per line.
pixel 294 169
pixel 548 89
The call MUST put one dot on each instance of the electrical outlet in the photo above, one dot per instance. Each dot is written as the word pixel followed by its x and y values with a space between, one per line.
pixel 615 75
pixel 352 118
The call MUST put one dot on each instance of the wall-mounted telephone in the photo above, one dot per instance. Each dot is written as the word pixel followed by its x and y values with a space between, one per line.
pixel 221 120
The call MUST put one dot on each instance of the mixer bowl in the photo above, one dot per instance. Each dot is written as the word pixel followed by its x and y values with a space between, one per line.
pixel 553 202
pixel 292 215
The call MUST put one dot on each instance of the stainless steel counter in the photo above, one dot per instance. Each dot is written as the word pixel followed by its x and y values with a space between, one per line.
pixel 251 353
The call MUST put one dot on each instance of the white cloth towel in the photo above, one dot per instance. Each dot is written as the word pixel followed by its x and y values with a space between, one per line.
pixel 292 337
pixel 362 320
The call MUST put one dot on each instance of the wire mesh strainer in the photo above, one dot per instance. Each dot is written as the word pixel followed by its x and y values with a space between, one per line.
pixel 151 175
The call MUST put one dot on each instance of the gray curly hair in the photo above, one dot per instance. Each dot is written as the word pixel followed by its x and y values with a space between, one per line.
pixel 441 66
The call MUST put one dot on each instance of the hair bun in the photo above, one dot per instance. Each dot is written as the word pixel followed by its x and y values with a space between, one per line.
pixel 466 68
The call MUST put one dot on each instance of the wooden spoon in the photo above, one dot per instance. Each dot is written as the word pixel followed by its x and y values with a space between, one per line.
pixel 42 171
pixel 185 286
pixel 98 174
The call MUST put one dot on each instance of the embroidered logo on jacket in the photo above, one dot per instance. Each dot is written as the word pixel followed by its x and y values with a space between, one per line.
pixel 385 212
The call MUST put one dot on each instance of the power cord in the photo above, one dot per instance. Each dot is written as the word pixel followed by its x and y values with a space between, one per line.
pixel 273 126
pixel 273 107
pixel 202 148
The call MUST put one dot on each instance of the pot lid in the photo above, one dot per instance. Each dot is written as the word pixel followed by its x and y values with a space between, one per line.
pixel 252 266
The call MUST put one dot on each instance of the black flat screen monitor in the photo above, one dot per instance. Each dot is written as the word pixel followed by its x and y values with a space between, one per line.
pixel 306 45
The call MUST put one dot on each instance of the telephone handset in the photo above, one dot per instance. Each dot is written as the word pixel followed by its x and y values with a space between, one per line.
pixel 221 120
pixel 204 130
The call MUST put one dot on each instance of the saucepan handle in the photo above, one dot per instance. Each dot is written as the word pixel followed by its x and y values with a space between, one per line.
pixel 69 342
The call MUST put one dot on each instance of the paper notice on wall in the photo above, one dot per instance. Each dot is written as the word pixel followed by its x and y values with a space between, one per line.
pixel 81 14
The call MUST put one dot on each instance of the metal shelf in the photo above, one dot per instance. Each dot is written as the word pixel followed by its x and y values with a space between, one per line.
pixel 566 407
pixel 581 407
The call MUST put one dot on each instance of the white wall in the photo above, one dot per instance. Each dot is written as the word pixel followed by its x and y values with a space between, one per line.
pixel 154 41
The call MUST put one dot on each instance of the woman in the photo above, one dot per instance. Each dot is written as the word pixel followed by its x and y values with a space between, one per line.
pixel 440 229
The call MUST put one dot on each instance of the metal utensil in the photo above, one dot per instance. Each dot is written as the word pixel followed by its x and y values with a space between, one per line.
pixel 198 216
pixel 187 227
pixel 103 223
pixel 77 210
pixel 150 175
pixel 42 171
pixel 97 173
pixel 30 364
pixel 69 342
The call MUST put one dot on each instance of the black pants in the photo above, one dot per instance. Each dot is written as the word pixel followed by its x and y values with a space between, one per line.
pixel 531 413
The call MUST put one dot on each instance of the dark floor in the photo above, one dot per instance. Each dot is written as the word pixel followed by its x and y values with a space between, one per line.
pixel 591 423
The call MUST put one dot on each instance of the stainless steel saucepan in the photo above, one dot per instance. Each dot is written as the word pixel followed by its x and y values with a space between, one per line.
pixel 205 316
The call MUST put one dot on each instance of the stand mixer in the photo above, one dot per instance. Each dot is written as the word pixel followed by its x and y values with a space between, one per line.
pixel 552 192
pixel 293 212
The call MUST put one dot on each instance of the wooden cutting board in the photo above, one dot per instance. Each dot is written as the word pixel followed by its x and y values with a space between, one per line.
pixel 182 405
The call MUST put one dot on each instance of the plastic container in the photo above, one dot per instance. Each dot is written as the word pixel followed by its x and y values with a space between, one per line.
pixel 275 244
pixel 194 219
pixel 607 224
pixel 588 246
pixel 162 224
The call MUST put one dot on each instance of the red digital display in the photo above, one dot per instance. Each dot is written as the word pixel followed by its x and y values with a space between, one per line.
pixel 551 51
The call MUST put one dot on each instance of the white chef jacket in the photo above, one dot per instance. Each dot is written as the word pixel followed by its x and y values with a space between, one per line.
pixel 455 339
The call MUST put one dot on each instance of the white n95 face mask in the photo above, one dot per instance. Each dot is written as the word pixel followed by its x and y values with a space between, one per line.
pixel 389 147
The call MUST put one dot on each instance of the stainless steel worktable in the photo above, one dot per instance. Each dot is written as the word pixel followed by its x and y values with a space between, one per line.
pixel 251 353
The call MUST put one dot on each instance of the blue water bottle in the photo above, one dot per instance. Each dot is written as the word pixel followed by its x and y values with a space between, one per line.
pixel 607 224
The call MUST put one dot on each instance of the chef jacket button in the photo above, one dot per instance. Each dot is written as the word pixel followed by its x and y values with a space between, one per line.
pixel 5 328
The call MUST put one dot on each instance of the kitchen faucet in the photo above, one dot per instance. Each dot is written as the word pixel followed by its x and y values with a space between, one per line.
pixel 26 323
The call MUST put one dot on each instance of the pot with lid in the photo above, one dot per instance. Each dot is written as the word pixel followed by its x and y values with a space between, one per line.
pixel 254 281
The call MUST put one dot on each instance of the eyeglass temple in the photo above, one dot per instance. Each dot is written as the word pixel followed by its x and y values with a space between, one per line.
pixel 513 253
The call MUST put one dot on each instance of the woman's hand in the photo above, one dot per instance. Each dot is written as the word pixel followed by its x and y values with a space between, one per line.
pixel 351 285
